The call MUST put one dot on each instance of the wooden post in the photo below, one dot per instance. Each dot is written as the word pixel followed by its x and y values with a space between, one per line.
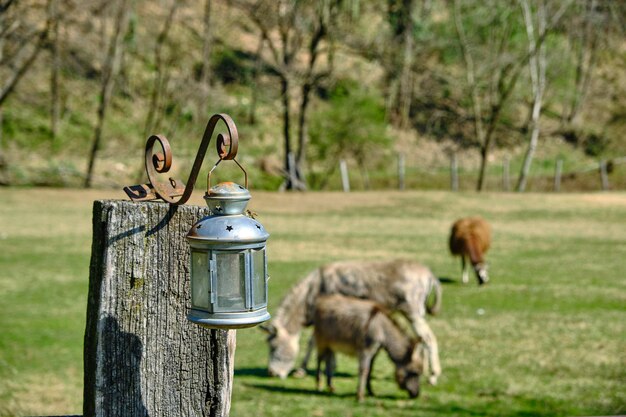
pixel 506 177
pixel 345 179
pixel 557 175
pixel 604 176
pixel 142 357
pixel 454 172
pixel 400 171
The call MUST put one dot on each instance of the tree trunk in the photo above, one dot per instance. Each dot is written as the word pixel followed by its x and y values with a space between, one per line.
pixel 472 84
pixel 108 78
pixel 255 81
pixel 585 62
pixel 284 91
pixel 55 98
pixel 202 94
pixel 3 165
pixel 158 81
pixel 205 75
pixel 405 95
pixel 141 356
pixel 537 65
pixel 11 82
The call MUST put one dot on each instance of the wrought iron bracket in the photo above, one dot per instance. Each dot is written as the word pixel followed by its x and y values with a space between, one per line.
pixel 158 163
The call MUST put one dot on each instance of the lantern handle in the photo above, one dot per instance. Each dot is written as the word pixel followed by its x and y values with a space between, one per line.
pixel 208 178
pixel 160 162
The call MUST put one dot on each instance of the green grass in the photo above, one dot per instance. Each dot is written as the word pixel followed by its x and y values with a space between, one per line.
pixel 551 340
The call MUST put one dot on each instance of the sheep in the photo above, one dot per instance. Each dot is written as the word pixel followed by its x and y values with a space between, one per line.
pixel 470 237
pixel 398 285
pixel 361 328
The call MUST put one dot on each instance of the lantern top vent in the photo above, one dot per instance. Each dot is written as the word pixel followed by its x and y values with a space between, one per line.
pixel 227 198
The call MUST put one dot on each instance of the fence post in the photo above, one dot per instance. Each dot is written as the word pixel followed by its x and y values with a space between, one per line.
pixel 506 178
pixel 454 172
pixel 141 355
pixel 291 158
pixel 400 171
pixel 557 175
pixel 604 176
pixel 345 179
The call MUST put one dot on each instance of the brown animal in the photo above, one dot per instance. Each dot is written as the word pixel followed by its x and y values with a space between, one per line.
pixel 398 285
pixel 361 328
pixel 470 237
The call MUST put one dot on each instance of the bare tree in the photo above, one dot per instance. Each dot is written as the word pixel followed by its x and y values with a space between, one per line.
pixel 19 61
pixel 207 41
pixel 109 70
pixel 399 69
pixel 55 67
pixel 293 33
pixel 537 66
pixel 160 69
pixel 488 104
pixel 255 80
pixel 590 27
pixel 21 42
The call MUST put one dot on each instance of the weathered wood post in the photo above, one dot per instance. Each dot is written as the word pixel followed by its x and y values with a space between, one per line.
pixel 142 357
pixel 604 175
pixel 401 171
pixel 557 175
pixel 454 172
pixel 345 178
pixel 506 177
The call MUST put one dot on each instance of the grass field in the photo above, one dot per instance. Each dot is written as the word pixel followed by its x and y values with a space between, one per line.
pixel 551 339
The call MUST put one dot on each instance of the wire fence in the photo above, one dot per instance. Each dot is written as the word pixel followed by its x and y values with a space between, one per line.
pixel 605 175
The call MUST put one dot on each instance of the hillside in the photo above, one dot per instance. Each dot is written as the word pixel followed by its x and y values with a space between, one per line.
pixel 387 77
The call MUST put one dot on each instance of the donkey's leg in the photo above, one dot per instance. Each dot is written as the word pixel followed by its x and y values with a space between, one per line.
pixel 321 356
pixel 331 364
pixel 365 362
pixel 301 371
pixel 424 332
pixel 370 392
pixel 465 268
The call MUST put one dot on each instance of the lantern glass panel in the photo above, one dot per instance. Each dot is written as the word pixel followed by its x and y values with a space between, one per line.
pixel 200 281
pixel 258 277
pixel 231 273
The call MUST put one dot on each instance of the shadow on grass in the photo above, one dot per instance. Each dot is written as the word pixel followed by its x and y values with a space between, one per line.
pixel 427 404
pixel 297 391
pixel 500 406
pixel 447 280
pixel 262 372
pixel 259 372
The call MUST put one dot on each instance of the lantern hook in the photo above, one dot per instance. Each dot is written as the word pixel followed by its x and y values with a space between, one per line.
pixel 159 163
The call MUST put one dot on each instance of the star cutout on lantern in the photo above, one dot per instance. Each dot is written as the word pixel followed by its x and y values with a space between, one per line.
pixel 229 228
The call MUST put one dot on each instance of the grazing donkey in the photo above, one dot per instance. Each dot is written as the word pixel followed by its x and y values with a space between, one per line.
pixel 361 328
pixel 398 285
pixel 470 237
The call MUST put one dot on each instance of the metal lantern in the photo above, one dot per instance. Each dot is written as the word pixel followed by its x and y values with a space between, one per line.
pixel 228 262
pixel 228 259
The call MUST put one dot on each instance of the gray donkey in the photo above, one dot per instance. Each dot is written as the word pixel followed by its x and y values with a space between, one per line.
pixel 398 285
pixel 361 328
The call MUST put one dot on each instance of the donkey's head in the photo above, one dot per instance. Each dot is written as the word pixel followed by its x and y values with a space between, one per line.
pixel 408 374
pixel 283 348
pixel 481 273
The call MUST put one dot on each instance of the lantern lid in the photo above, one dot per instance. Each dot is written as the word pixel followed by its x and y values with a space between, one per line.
pixel 227 198
pixel 227 230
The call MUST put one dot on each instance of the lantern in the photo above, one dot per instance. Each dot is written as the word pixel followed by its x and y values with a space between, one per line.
pixel 228 263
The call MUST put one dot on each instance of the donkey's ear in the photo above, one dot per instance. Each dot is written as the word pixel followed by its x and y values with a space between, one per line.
pixel 268 328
